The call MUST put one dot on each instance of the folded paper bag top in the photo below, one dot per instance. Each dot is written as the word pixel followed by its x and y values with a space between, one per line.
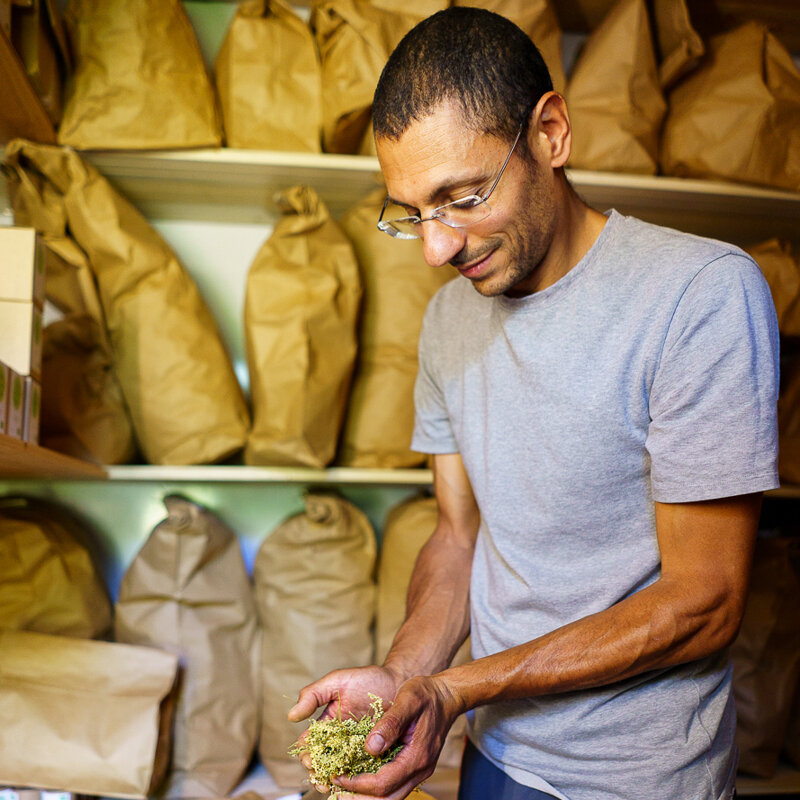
pixel 83 716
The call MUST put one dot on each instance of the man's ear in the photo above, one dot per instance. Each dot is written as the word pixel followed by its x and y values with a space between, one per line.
pixel 550 132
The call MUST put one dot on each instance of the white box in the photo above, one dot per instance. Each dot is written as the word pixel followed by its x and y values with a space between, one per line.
pixel 33 411
pixel 21 266
pixel 21 337
pixel 16 405
pixel 5 386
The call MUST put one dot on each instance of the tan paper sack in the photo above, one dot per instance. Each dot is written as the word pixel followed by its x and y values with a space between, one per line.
pixel 185 403
pixel 315 596
pixel 269 81
pixel 766 656
pixel 139 81
pixel 355 39
pixel 680 47
pixel 408 527
pixel 83 717
pixel 49 577
pixel 614 95
pixel 397 287
pixel 781 267
pixel 737 117
pixel 301 305
pixel 187 592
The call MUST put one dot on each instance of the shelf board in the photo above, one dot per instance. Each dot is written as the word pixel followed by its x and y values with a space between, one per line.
pixel 21 460
pixel 304 475
pixel 232 185
pixel 785 781
pixel 786 491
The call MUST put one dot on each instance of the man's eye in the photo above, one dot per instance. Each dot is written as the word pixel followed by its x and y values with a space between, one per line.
pixel 466 203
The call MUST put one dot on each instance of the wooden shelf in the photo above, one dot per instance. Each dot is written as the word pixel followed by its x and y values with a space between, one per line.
pixel 333 476
pixel 230 185
pixel 21 460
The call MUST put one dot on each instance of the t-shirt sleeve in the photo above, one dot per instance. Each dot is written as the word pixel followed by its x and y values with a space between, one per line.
pixel 433 431
pixel 713 401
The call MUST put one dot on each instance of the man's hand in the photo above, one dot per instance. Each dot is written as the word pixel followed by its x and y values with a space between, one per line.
pixel 420 717
pixel 344 693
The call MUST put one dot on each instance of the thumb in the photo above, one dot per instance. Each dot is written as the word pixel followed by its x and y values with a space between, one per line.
pixel 385 733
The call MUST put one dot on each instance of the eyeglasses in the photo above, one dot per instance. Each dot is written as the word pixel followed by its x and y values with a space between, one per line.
pixel 458 214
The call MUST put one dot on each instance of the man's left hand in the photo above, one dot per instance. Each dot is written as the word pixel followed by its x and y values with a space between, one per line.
pixel 420 717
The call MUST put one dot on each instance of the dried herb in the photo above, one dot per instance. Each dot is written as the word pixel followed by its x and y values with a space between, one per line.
pixel 336 747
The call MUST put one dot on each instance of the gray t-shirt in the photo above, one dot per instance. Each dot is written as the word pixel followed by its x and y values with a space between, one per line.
pixel 647 373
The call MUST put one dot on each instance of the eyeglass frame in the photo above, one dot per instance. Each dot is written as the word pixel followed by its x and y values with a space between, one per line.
pixel 385 225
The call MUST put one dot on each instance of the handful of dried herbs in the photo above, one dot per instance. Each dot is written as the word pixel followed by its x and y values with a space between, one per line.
pixel 336 747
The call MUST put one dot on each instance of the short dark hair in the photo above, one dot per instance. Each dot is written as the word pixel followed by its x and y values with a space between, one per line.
pixel 472 56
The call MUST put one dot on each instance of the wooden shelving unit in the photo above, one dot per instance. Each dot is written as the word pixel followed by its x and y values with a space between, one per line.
pixel 229 185
pixel 21 460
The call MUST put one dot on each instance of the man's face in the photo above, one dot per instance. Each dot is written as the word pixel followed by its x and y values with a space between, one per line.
pixel 438 160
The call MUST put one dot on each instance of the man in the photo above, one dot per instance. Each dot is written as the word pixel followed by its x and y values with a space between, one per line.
pixel 599 397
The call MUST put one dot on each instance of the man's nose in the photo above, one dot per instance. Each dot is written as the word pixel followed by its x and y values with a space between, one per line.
pixel 441 243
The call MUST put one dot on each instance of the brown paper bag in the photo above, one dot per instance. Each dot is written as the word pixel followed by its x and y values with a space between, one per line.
pixel 355 39
pixel 268 79
pixel 737 117
pixel 538 19
pixel 179 385
pixel 49 581
pixel 781 267
pixel 301 305
pixel 766 656
pixel 408 526
pixel 397 287
pixel 418 8
pixel 187 592
pixel 315 595
pixel 680 47
pixel 789 421
pixel 83 412
pixel 84 717
pixel 614 96
pixel 139 81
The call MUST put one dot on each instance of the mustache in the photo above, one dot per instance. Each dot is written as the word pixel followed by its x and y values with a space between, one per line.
pixel 469 257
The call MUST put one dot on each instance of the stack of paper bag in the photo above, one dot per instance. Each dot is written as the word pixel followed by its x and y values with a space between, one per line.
pixel 49 578
pixel 301 307
pixel 139 81
pixel 83 409
pixel 355 39
pixel 737 117
pixel 315 596
pixel 183 397
pixel 614 95
pixel 269 80
pixel 187 592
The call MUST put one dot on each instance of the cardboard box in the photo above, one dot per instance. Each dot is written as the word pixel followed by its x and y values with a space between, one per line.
pixel 19 794
pixel 5 386
pixel 32 412
pixel 21 337
pixel 16 405
pixel 21 266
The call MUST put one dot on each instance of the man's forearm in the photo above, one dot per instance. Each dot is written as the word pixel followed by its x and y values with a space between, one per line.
pixel 437 612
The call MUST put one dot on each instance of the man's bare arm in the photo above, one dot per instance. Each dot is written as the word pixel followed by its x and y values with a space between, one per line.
pixel 691 611
pixel 437 608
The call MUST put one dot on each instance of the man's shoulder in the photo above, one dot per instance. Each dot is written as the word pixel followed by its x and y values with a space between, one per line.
pixel 662 251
